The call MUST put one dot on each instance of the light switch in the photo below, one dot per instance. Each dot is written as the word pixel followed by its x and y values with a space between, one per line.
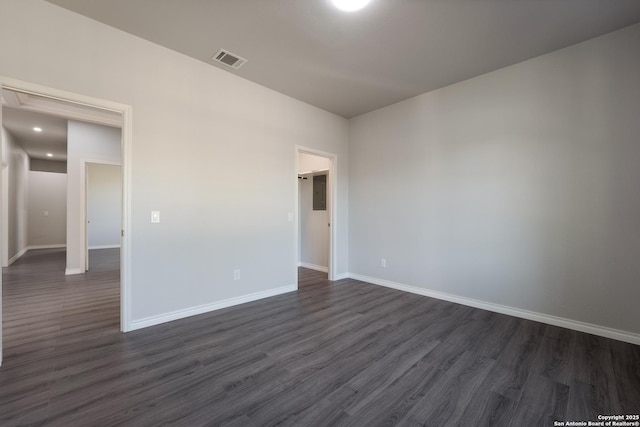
pixel 290 216
pixel 46 213
pixel 155 216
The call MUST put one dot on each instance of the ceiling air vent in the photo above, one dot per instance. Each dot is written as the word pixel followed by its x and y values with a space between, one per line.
pixel 230 59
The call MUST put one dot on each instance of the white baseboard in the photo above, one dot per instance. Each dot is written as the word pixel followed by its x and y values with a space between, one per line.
pixel 70 271
pixel 17 256
pixel 54 246
pixel 314 267
pixel 341 276
pixel 205 308
pixel 104 247
pixel 28 248
pixel 589 328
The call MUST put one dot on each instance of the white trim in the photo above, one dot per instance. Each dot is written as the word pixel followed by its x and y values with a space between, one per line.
pixel 205 308
pixel 127 135
pixel 126 280
pixel 4 202
pixel 28 248
pixel 56 246
pixel 28 102
pixel 314 267
pixel 17 256
pixel 340 276
pixel 104 247
pixel 72 271
pixel 84 235
pixel 576 325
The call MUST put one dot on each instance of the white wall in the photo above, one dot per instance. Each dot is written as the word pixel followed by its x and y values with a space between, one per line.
pixel 314 230
pixel 311 163
pixel 47 211
pixel 518 187
pixel 104 205
pixel 202 139
pixel 86 142
pixel 16 200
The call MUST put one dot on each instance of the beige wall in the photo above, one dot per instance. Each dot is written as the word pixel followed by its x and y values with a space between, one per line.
pixel 104 205
pixel 47 216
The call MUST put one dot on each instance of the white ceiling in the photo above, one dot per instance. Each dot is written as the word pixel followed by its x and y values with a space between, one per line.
pixel 52 139
pixel 21 112
pixel 352 63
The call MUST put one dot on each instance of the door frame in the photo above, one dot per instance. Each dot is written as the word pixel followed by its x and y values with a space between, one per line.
pixel 4 193
pixel 332 201
pixel 5 165
pixel 84 201
pixel 126 142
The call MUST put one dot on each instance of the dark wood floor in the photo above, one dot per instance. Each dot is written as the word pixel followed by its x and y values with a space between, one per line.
pixel 333 353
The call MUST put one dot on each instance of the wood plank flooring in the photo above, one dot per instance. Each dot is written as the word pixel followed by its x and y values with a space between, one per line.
pixel 333 353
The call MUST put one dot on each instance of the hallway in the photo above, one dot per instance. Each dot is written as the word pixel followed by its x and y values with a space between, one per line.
pixel 47 314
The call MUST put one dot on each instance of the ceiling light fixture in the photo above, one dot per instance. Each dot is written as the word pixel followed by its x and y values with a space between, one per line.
pixel 49 155
pixel 37 129
pixel 350 5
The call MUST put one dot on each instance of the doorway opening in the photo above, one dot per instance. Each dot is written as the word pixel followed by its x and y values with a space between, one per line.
pixel 102 209
pixel 316 204
pixel 83 109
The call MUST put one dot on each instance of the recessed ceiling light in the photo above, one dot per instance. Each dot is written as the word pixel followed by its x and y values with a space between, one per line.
pixel 350 5
pixel 49 155
pixel 37 129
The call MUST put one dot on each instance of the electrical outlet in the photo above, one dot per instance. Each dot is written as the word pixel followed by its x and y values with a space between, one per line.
pixel 155 217
pixel 383 263
pixel 236 274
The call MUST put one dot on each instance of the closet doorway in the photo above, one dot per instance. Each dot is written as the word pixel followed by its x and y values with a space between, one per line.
pixel 316 205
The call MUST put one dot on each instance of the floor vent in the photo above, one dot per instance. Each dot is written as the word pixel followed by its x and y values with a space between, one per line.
pixel 229 59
